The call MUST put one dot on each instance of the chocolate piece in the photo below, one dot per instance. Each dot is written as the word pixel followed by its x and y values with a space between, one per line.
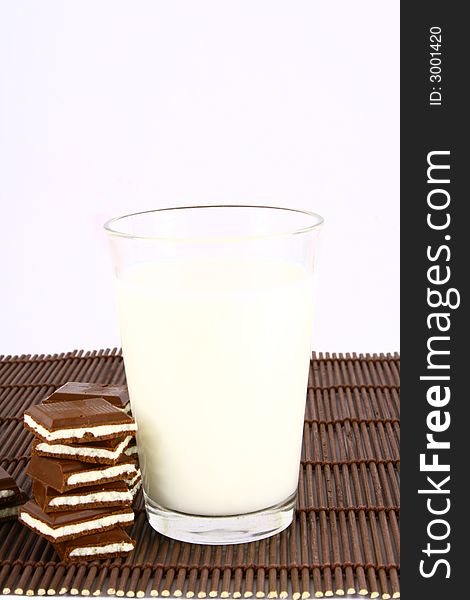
pixel 131 449
pixel 10 493
pixel 10 511
pixel 135 488
pixel 78 421
pixel 117 395
pixel 67 525
pixel 134 483
pixel 95 496
pixel 105 544
pixel 106 452
pixel 64 475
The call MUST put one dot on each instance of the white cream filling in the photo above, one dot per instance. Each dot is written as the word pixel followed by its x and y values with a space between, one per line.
pixel 6 493
pixel 108 549
pixel 131 450
pixel 97 475
pixel 85 451
pixel 75 528
pixel 79 432
pixel 90 498
pixel 127 408
pixel 9 511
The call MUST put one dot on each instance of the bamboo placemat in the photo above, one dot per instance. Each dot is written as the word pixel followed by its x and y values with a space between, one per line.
pixel 345 536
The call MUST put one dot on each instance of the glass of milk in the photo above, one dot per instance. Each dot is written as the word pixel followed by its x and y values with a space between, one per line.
pixel 216 306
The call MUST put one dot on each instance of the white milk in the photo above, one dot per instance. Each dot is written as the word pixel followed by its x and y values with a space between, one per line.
pixel 216 356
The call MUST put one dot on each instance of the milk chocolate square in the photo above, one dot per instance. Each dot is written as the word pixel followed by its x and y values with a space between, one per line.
pixel 107 452
pixel 115 394
pixel 105 544
pixel 9 490
pixel 131 449
pixel 65 475
pixel 67 525
pixel 10 511
pixel 95 496
pixel 134 484
pixel 78 421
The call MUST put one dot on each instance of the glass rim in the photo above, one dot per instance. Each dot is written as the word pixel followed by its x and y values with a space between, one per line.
pixel 317 222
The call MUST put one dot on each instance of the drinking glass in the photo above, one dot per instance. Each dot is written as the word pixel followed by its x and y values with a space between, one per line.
pixel 215 307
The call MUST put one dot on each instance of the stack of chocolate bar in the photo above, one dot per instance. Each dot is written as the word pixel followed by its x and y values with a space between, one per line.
pixel 11 496
pixel 84 471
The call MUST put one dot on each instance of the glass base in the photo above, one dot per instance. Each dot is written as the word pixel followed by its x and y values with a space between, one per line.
pixel 234 529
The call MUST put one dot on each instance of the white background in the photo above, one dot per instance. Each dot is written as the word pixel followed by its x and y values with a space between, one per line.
pixel 108 107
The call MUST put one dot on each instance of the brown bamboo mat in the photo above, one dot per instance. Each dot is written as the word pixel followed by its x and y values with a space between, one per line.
pixel 345 536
